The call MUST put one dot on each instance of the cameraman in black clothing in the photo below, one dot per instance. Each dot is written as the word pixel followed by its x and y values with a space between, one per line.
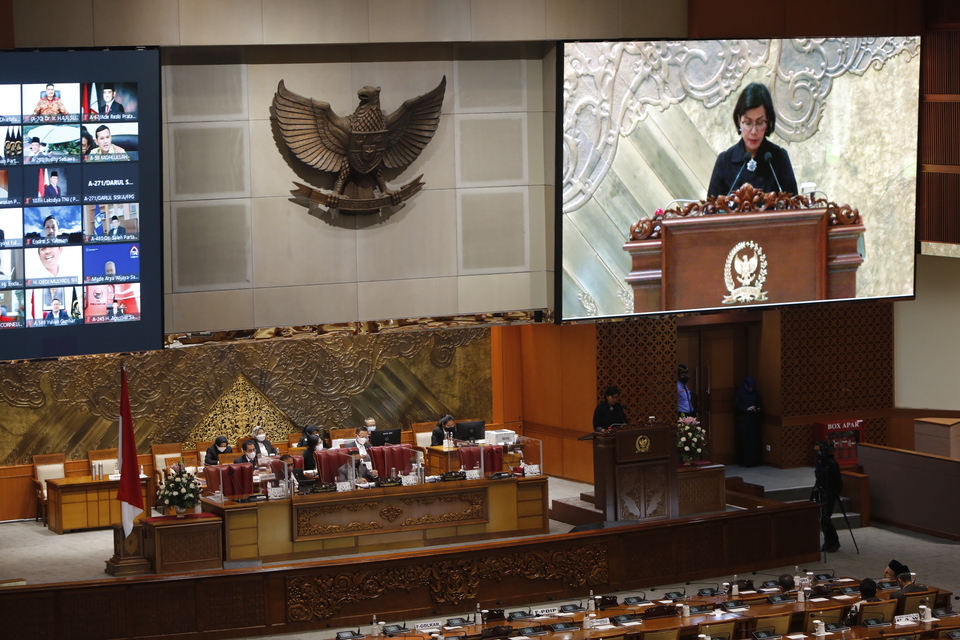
pixel 826 491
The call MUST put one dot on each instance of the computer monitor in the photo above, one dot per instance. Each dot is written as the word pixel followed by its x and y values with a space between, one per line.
pixel 381 437
pixel 470 430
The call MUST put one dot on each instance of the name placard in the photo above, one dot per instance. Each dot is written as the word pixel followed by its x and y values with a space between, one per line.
pixel 430 624
pixel 907 618
pixel 549 611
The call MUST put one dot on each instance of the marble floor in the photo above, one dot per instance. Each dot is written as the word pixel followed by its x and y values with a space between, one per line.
pixel 30 551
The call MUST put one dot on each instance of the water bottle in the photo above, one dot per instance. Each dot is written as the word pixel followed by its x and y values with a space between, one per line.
pixel 591 603
pixel 374 627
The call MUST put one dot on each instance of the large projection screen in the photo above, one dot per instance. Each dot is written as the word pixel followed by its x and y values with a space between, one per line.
pixel 643 124
pixel 81 260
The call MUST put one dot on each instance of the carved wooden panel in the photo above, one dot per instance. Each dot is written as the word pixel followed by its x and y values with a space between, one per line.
pixel 639 355
pixel 642 491
pixel 837 358
pixel 321 595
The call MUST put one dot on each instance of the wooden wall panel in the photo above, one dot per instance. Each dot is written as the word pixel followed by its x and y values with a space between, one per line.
pixel 19 493
pixel 558 366
pixel 506 374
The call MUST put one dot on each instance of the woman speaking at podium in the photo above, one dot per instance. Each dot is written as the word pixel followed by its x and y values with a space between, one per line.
pixel 754 158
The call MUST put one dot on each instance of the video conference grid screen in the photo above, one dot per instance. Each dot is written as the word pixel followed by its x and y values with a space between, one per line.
pixel 80 203
pixel 644 123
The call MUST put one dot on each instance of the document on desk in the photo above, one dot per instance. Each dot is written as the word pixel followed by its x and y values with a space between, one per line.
pixel 666 601
pixel 846 597
pixel 796 636
pixel 738 609
pixel 748 591
pixel 817 599
pixel 603 627
pixel 632 624
pixel 845 580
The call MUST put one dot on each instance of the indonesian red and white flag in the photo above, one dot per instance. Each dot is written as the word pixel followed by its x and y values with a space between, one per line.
pixel 131 500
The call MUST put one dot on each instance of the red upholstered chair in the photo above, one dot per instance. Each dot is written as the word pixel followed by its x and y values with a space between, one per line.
pixel 297 461
pixel 237 478
pixel 329 462
pixel 492 458
pixel 391 456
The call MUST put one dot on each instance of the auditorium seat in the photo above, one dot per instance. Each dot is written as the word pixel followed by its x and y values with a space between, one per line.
pixel 237 478
pixel 778 625
pixel 882 611
pixel 722 630
pixel 662 634
pixel 831 614
pixel 911 603
pixel 492 458
pixel 391 456
pixel 48 466
pixel 329 462
pixel 107 457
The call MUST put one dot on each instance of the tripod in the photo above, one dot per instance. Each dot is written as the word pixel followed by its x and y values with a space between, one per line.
pixel 819 494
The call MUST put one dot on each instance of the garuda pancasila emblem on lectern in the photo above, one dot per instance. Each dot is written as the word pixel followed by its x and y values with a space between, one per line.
pixel 358 147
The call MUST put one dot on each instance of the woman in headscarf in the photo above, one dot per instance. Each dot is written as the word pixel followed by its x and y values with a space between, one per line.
pixel 309 461
pixel 308 431
pixel 219 446
pixel 746 406
pixel 264 448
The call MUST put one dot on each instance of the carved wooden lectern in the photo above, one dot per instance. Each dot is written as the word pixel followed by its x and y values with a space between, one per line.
pixel 747 248
pixel 635 473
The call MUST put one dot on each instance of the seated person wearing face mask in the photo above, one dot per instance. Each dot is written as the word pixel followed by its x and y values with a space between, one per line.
pixel 212 456
pixel 249 453
pixel 264 448
pixel 361 443
pixel 360 471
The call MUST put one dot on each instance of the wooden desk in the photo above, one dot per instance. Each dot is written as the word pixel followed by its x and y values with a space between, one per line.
pixel 329 524
pixel 179 545
pixel 81 502
pixel 702 489
pixel 441 459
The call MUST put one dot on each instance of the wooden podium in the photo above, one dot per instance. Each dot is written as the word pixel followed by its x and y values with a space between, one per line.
pixel 635 473
pixel 749 248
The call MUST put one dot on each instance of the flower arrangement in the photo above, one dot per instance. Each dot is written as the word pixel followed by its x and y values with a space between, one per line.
pixel 181 489
pixel 691 438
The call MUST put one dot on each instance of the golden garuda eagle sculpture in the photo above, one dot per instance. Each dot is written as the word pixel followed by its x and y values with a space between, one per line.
pixel 358 147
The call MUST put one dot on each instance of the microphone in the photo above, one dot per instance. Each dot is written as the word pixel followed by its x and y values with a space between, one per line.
pixel 734 183
pixel 769 158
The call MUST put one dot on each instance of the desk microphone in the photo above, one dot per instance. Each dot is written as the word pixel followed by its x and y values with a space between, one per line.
pixel 734 183
pixel 716 588
pixel 833 573
pixel 769 158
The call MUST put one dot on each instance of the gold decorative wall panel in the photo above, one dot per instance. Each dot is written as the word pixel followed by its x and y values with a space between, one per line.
pixel 335 380
pixel 237 412
pixel 319 596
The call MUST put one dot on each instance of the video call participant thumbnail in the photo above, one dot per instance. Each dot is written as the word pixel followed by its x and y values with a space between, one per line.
pixel 11 268
pixel 111 303
pixel 107 263
pixel 11 227
pixel 53 265
pixel 51 144
pixel 62 309
pixel 106 149
pixel 52 225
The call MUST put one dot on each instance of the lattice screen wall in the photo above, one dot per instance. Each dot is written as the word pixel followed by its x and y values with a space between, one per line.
pixel 639 355
pixel 835 359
